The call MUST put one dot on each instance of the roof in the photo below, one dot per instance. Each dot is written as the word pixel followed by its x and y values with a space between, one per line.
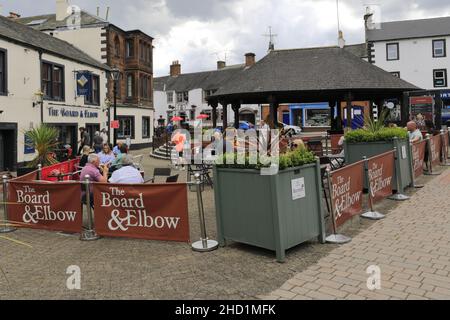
pixel 408 29
pixel 311 70
pixel 29 37
pixel 208 80
pixel 48 21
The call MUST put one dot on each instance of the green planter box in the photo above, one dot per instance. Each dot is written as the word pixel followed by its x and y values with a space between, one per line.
pixel 355 152
pixel 260 210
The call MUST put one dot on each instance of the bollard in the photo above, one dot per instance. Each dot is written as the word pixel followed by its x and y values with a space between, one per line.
pixel 399 196
pixel 413 178
pixel 5 226
pixel 334 238
pixel 430 158
pixel 88 234
pixel 204 245
pixel 39 172
pixel 371 214
pixel 444 159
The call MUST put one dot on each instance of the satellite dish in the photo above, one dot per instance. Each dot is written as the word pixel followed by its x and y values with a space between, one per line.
pixel 390 105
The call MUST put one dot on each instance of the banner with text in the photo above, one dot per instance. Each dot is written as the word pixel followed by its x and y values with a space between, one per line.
pixel 418 151
pixel 347 192
pixel 445 145
pixel 381 173
pixel 50 173
pixel 152 212
pixel 435 147
pixel 46 206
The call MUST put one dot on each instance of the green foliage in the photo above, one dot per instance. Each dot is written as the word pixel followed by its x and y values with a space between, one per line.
pixel 44 139
pixel 373 125
pixel 383 134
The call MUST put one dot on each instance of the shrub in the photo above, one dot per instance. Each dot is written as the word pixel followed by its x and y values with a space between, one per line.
pixel 383 134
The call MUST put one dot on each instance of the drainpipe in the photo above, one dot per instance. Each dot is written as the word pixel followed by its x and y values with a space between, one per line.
pixel 40 86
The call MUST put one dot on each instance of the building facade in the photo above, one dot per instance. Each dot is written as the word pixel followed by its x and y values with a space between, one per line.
pixel 131 52
pixel 185 95
pixel 38 84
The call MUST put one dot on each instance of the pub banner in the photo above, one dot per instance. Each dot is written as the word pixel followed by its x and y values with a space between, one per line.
pixel 445 145
pixel 347 192
pixel 84 83
pixel 152 212
pixel 418 150
pixel 380 174
pixel 55 207
pixel 435 147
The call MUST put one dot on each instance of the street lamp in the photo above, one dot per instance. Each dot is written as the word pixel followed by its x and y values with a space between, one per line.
pixel 115 75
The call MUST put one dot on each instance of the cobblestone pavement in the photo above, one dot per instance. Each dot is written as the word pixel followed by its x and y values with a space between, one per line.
pixel 113 268
pixel 411 247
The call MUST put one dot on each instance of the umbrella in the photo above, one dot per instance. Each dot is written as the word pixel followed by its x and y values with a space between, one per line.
pixel 177 119
pixel 203 116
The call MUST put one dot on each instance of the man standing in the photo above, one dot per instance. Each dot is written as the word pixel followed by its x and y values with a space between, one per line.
pixel 85 139
pixel 104 135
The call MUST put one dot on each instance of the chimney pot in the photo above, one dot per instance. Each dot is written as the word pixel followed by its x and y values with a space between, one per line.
pixel 175 69
pixel 250 59
pixel 221 65
pixel 13 15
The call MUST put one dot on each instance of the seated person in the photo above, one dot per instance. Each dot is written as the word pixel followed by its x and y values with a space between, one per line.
pixel 85 154
pixel 298 144
pixel 117 163
pixel 92 169
pixel 116 149
pixel 127 174
pixel 107 157
pixel 415 135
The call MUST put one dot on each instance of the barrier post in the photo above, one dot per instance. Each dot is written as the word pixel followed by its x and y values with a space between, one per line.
pixel 204 245
pixel 88 234
pixel 334 238
pixel 39 172
pixel 444 162
pixel 371 214
pixel 5 226
pixel 413 174
pixel 430 157
pixel 399 196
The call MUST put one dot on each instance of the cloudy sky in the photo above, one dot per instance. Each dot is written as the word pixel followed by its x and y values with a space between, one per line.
pixel 200 32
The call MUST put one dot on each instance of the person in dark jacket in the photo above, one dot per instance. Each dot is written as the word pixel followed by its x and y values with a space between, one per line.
pixel 98 142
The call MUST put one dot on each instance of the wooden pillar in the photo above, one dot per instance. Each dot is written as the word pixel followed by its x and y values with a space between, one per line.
pixel 214 113
pixel 339 118
pixel 225 114
pixel 274 110
pixel 348 100
pixel 405 109
pixel 236 106
pixel 438 110
pixel 380 104
pixel 332 104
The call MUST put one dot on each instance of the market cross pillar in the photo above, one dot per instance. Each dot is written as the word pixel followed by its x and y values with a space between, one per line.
pixel 236 106
pixel 214 106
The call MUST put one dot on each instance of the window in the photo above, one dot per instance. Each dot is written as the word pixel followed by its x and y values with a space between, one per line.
pixel 439 48
pixel 117 46
pixel 130 48
pixel 392 51
pixel 3 73
pixel 440 78
pixel 208 93
pixel 94 98
pixel 317 118
pixel 183 96
pixel 396 74
pixel 130 85
pixel 169 97
pixel 52 81
pixel 145 127
pixel 145 87
pixel 126 127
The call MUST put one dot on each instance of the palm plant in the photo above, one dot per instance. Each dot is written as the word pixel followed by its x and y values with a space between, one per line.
pixel 373 125
pixel 44 139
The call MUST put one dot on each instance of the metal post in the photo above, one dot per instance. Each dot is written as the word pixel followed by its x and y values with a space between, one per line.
pixel 115 111
pixel 413 178
pixel 398 196
pixel 430 157
pixel 335 237
pixel 88 234
pixel 371 214
pixel 444 162
pixel 204 245
pixel 39 172
pixel 5 226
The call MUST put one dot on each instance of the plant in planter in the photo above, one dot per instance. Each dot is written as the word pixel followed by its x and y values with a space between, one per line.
pixel 376 139
pixel 45 140
pixel 275 212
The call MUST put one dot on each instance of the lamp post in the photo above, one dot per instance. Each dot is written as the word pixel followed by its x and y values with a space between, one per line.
pixel 115 75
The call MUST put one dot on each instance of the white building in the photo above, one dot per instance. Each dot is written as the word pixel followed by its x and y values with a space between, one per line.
pixel 414 50
pixel 32 62
pixel 184 94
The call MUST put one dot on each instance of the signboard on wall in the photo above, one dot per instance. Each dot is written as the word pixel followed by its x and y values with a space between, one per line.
pixel 84 81
pixel 28 145
pixel 421 109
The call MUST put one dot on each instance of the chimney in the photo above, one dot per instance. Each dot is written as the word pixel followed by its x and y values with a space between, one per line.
pixel 341 40
pixel 61 9
pixel 13 15
pixel 249 59
pixel 175 69
pixel 221 65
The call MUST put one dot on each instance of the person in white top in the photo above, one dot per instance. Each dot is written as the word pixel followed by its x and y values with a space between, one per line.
pixel 127 174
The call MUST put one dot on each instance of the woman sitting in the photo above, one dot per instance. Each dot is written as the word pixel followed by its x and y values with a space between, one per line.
pixel 117 163
pixel 106 156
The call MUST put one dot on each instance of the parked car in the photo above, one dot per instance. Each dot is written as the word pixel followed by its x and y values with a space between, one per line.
pixel 294 129
pixel 243 125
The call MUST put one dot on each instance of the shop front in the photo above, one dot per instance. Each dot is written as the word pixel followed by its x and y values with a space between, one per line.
pixel 312 117
pixel 8 146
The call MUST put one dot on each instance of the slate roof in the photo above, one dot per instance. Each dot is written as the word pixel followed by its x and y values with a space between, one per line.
pixel 29 37
pixel 48 21
pixel 409 29
pixel 208 80
pixel 310 70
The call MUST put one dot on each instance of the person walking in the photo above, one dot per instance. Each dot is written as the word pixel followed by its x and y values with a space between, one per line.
pixel 84 141
pixel 98 142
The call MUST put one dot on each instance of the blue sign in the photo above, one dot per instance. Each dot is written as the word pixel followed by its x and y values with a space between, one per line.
pixel 84 83
pixel 29 147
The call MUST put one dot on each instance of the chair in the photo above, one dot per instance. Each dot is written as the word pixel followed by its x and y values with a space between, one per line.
pixel 160 172
pixel 172 179
pixel 137 161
